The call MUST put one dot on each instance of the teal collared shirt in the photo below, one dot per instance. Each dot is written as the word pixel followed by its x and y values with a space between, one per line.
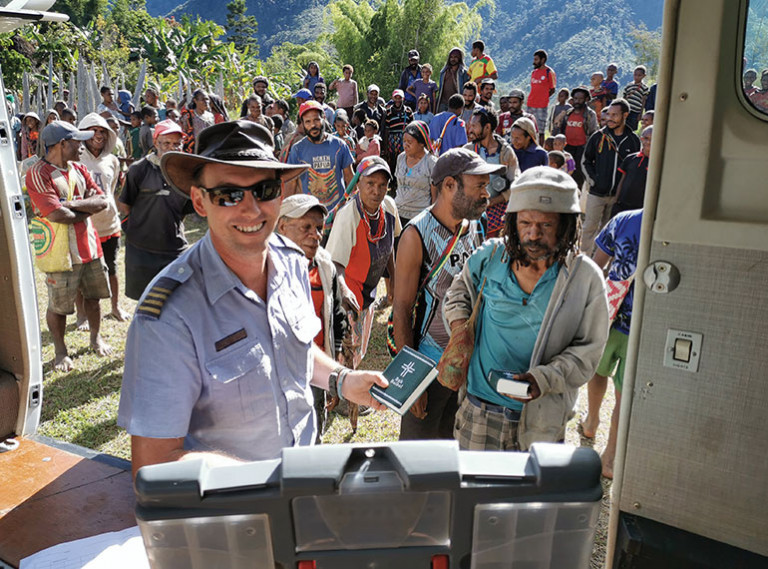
pixel 508 324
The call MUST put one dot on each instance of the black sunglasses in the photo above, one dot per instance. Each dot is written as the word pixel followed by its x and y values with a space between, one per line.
pixel 230 196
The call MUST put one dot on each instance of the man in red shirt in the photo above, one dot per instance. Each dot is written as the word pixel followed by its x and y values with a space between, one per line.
pixel 514 111
pixel 50 182
pixel 543 84
pixel 578 124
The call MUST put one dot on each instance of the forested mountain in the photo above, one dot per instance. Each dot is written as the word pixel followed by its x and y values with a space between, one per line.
pixel 580 35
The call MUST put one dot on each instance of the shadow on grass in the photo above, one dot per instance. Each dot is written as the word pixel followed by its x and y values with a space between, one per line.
pixel 94 436
pixel 80 386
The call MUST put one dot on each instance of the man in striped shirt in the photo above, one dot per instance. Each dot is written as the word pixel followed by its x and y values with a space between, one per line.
pixel 635 94
pixel 50 183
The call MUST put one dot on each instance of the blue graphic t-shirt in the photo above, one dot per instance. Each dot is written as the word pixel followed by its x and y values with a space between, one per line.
pixel 325 178
pixel 620 239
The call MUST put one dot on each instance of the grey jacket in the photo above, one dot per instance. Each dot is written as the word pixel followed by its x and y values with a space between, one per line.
pixel 567 350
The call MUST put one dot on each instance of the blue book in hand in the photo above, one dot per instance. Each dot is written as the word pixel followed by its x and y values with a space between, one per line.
pixel 409 374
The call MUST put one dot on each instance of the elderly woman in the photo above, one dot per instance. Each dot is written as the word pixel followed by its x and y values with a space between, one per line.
pixel 361 243
pixel 414 171
pixel 254 105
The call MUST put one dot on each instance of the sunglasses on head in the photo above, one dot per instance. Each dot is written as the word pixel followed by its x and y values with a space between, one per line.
pixel 230 196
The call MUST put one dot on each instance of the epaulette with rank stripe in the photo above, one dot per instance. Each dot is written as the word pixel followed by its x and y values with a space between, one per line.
pixel 154 300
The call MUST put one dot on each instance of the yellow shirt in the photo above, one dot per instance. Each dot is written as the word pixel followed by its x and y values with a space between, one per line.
pixel 481 67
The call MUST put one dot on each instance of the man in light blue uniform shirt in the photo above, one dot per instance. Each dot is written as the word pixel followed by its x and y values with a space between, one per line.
pixel 220 353
pixel 543 317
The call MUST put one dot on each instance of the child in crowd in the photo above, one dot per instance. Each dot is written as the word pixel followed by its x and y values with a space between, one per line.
pixel 598 92
pixel 342 129
pixel 556 160
pixel 68 115
pixel 424 86
pixel 370 144
pixel 603 117
pixel 174 115
pixel 147 129
pixel 135 146
pixel 358 123
pixel 549 143
pixel 170 104
pixel 559 145
pixel 313 76
pixel 558 110
pixel 422 110
pixel 647 119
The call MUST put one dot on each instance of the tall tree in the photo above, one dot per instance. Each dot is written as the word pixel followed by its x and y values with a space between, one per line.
pixel 241 29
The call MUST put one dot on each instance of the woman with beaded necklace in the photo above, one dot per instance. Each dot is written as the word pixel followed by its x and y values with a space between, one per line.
pixel 362 241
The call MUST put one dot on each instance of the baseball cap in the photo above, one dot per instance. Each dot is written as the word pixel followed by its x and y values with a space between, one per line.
pixel 166 127
pixel 372 164
pixel 488 81
pixel 374 87
pixel 303 93
pixel 413 54
pixel 60 130
pixel 397 92
pixel 517 94
pixel 457 161
pixel 544 189
pixel 310 106
pixel 299 204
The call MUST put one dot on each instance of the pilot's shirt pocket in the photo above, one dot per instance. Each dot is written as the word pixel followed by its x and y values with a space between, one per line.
pixel 239 387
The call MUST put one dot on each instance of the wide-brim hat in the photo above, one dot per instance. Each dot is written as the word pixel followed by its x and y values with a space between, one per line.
pixel 236 143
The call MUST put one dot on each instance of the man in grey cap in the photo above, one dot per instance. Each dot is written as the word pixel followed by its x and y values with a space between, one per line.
pixel 302 218
pixel 543 319
pixel 449 230
pixel 63 192
pixel 409 76
pixel 220 353
pixel 508 118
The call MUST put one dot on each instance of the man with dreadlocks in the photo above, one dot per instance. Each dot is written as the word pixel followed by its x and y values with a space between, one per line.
pixel 543 317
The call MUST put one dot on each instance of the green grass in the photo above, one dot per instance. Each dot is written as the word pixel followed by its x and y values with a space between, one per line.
pixel 81 406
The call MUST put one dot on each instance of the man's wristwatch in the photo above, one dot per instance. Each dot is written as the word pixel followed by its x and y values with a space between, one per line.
pixel 333 382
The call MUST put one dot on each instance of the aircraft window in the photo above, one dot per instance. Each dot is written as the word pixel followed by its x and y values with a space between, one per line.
pixel 755 69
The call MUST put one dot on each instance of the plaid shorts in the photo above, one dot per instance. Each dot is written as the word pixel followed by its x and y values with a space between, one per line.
pixel 90 278
pixel 483 426
pixel 541 118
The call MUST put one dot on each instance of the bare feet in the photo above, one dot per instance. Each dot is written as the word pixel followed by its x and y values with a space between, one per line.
pixel 607 465
pixel 588 427
pixel 101 347
pixel 119 314
pixel 62 362
pixel 82 325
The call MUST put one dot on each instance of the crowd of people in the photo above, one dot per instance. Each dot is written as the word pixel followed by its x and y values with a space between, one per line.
pixel 509 212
